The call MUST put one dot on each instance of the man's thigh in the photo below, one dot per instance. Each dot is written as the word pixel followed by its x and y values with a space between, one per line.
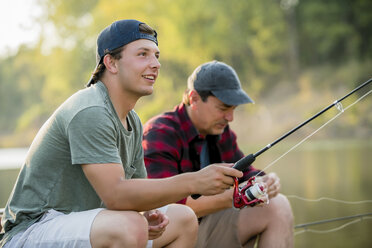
pixel 56 229
pixel 219 229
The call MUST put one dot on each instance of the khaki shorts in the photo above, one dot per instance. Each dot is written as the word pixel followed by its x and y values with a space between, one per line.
pixel 56 229
pixel 219 230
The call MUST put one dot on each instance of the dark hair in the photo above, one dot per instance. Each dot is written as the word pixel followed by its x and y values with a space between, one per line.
pixel 204 94
pixel 116 54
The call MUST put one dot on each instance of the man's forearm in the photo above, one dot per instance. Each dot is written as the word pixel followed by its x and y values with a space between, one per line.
pixel 146 194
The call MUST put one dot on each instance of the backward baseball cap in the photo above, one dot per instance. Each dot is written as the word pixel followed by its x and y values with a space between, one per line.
pixel 119 34
pixel 222 80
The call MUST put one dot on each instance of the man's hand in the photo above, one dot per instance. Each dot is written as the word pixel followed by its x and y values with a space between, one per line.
pixel 216 178
pixel 158 222
pixel 272 182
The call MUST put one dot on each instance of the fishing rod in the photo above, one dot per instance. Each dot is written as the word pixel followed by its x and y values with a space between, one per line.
pixel 244 163
pixel 252 192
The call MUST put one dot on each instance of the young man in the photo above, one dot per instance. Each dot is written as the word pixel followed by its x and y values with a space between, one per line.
pixel 196 134
pixel 82 184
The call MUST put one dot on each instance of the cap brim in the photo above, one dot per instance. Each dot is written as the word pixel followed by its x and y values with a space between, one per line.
pixel 232 97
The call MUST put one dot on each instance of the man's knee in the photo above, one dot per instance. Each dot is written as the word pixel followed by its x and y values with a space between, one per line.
pixel 183 227
pixel 184 216
pixel 277 213
pixel 282 208
pixel 119 229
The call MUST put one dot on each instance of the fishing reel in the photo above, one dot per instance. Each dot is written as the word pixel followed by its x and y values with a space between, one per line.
pixel 248 195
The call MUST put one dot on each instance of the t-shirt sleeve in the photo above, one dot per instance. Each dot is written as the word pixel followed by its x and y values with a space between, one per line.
pixel 92 137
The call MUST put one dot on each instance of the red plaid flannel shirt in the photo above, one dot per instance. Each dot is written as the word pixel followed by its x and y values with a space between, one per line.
pixel 172 146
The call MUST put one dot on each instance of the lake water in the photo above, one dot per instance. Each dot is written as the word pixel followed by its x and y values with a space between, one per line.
pixel 340 170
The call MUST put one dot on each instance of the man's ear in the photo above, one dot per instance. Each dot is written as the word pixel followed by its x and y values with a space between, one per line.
pixel 110 63
pixel 194 98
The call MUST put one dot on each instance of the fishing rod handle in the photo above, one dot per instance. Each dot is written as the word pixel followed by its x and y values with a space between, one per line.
pixel 242 165
pixel 195 196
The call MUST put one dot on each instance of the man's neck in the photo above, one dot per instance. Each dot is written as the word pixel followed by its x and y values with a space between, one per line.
pixel 122 101
pixel 193 119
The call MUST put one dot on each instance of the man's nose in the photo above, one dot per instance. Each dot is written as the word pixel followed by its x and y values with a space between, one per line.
pixel 229 115
pixel 155 63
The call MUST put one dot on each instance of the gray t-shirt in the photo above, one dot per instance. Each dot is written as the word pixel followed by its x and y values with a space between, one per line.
pixel 85 129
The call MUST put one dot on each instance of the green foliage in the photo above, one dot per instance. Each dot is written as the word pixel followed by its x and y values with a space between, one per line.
pixel 306 47
pixel 334 30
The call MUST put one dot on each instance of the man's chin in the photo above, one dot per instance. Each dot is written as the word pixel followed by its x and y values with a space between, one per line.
pixel 217 131
pixel 147 92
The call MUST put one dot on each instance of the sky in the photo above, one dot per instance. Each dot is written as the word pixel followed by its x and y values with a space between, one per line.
pixel 16 24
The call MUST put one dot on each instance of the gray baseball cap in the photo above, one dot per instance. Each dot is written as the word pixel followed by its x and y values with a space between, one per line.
pixel 222 80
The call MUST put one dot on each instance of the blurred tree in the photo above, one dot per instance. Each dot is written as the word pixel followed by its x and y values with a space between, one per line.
pixel 272 44
pixel 335 30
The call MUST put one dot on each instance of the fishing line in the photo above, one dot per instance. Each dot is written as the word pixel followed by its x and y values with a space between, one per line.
pixel 359 216
pixel 341 110
pixel 328 199
pixel 244 163
pixel 332 229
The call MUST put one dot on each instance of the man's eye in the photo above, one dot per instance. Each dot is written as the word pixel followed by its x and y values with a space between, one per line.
pixel 224 109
